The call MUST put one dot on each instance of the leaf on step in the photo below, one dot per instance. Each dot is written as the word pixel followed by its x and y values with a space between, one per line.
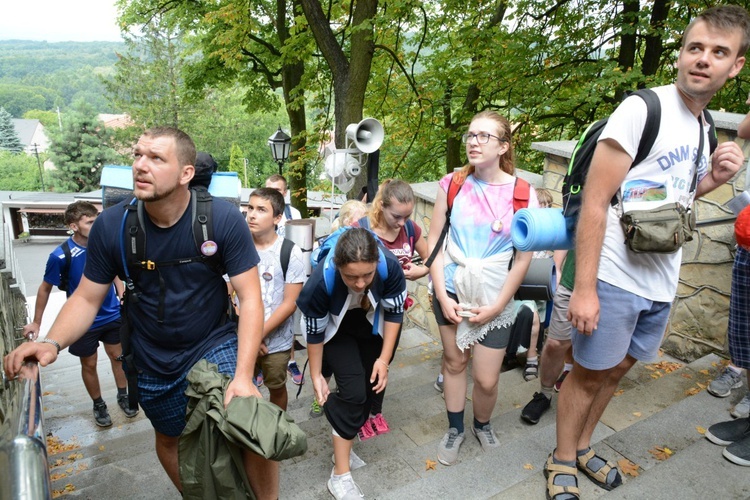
pixel 55 477
pixel 47 393
pixel 701 430
pixel 649 367
pixel 667 366
pixel 714 364
pixel 528 466
pixel 656 375
pixel 702 386
pixel 627 467
pixel 69 470
pixel 81 468
pixel 637 414
pixel 705 372
pixel 619 392
pixel 692 391
pixel 516 405
pixel 102 448
pixel 430 464
pixel 661 452
pixel 427 357
pixel 685 375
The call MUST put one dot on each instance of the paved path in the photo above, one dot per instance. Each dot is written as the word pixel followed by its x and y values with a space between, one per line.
pixel 654 409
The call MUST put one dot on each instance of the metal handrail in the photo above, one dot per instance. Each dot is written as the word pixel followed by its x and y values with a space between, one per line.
pixel 24 471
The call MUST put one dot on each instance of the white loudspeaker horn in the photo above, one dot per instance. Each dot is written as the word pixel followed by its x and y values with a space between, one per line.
pixel 341 168
pixel 367 135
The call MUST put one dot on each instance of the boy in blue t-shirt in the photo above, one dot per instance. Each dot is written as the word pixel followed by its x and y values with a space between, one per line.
pixel 279 289
pixel 65 273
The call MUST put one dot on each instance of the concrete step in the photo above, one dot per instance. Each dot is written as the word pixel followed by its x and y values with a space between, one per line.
pixel 669 417
pixel 652 409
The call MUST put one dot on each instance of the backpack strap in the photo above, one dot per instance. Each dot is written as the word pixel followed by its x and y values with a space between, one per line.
pixel 453 188
pixel 651 128
pixel 65 271
pixel 364 222
pixel 410 234
pixel 521 194
pixel 286 252
pixel 329 270
pixel 713 141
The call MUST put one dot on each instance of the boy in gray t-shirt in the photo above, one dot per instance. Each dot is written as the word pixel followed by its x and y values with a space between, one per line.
pixel 279 290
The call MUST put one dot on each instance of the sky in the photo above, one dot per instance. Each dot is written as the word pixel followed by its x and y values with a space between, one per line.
pixel 59 20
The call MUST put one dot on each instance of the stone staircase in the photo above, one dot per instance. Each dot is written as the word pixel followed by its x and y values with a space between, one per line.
pixel 655 407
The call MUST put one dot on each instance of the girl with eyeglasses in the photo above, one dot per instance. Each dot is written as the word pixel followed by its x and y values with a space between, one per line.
pixel 353 329
pixel 473 285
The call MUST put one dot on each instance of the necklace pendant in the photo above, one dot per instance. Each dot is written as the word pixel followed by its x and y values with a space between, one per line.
pixel 497 225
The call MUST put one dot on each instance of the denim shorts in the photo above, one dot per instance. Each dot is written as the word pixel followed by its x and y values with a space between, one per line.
pixel 164 401
pixel 628 324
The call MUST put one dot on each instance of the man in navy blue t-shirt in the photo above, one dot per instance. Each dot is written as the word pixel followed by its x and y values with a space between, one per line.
pixel 64 270
pixel 179 317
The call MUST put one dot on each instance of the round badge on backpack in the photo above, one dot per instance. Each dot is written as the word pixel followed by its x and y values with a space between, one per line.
pixel 209 248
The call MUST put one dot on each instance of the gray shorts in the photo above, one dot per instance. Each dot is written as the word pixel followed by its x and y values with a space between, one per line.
pixel 628 324
pixel 559 326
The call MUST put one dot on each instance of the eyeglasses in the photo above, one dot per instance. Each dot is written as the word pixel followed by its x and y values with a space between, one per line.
pixel 482 138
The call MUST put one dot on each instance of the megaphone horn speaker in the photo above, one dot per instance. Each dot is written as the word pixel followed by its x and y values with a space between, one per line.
pixel 366 135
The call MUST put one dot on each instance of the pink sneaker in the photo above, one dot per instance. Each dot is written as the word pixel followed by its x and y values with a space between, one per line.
pixel 379 424
pixel 367 431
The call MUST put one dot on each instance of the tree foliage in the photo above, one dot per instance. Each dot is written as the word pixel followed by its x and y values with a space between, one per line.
pixel 9 140
pixel 80 150
pixel 20 172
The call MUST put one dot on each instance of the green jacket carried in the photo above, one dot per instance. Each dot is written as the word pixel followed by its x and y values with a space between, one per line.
pixel 210 449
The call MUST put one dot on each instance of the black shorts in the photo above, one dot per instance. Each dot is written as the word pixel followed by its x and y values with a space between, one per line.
pixel 88 344
pixel 497 338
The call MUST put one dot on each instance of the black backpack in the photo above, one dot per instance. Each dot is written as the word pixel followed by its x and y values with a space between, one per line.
pixel 64 285
pixel 578 167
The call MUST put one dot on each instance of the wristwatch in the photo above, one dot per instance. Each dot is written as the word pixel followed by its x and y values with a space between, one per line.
pixel 45 340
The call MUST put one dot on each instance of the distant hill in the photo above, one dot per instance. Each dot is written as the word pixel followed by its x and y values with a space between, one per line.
pixel 43 75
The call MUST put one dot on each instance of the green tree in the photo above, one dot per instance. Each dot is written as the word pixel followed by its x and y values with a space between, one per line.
pixel 9 140
pixel 80 150
pixel 260 47
pixel 237 164
pixel 46 118
pixel 147 81
pixel 19 172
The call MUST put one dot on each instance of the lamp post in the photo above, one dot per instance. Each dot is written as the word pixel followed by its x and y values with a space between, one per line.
pixel 39 163
pixel 280 145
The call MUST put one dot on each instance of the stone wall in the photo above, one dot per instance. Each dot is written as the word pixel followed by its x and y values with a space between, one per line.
pixel 700 312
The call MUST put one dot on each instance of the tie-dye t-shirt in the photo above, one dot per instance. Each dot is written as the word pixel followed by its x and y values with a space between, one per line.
pixel 476 206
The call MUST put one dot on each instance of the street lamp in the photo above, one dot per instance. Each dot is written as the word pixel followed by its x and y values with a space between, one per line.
pixel 280 145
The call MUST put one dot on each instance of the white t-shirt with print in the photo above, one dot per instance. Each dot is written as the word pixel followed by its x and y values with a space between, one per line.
pixel 272 290
pixel 671 160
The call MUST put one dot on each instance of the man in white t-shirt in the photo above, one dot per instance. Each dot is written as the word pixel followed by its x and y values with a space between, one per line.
pixel 279 288
pixel 621 301
pixel 278 182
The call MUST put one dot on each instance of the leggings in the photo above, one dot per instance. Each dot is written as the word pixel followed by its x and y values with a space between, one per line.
pixel 351 354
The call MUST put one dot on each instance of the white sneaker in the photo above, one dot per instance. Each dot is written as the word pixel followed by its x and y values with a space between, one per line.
pixel 343 487
pixel 742 409
pixel 354 461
